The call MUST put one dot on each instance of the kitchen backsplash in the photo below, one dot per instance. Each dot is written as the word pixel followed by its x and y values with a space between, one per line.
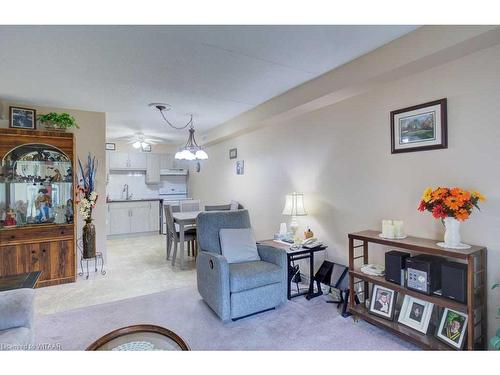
pixel 137 185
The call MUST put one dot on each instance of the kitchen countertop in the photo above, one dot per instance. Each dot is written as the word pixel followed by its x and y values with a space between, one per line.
pixel 134 200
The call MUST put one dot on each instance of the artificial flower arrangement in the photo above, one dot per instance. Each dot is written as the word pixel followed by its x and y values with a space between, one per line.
pixel 86 194
pixel 445 202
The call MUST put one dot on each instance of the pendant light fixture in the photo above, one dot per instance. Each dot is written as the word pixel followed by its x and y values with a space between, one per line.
pixel 191 150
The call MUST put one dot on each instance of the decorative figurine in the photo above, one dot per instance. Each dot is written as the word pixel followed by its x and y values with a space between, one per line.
pixel 21 211
pixel 69 175
pixel 10 218
pixel 57 176
pixel 43 203
pixel 60 214
pixel 69 211
pixel 308 233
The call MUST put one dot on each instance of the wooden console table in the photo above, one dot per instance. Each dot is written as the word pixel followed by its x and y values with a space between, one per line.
pixel 475 258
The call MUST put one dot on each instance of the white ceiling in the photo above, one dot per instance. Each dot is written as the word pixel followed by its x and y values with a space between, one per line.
pixel 214 72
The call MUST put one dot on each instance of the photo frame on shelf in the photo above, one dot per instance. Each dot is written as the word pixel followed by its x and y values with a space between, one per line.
pixel 383 302
pixel 22 118
pixel 452 328
pixel 110 146
pixel 419 128
pixel 416 313
pixel 146 148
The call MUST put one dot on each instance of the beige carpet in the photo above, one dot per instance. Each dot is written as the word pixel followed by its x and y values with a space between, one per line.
pixel 297 325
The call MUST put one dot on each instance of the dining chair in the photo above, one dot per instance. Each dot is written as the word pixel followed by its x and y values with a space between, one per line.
pixel 222 207
pixel 173 236
pixel 190 205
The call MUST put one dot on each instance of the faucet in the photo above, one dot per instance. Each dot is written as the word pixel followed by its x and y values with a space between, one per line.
pixel 127 195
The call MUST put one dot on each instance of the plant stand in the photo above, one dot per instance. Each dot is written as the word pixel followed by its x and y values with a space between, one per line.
pixel 98 256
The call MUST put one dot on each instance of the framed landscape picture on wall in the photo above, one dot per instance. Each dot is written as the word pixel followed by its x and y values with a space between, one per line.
pixel 419 128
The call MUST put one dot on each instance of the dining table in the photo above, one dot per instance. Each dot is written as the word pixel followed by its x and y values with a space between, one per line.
pixel 185 220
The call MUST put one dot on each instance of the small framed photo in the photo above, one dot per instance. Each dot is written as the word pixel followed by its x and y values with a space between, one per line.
pixel 233 153
pixel 416 314
pixel 22 118
pixel 240 167
pixel 419 128
pixel 146 148
pixel 383 302
pixel 452 328
pixel 110 146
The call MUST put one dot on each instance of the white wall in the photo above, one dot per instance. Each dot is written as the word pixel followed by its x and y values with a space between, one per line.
pixel 339 156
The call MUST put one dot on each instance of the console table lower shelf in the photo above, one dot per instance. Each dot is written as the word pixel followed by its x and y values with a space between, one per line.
pixel 428 342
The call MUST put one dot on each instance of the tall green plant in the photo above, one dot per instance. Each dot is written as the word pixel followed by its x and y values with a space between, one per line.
pixel 58 120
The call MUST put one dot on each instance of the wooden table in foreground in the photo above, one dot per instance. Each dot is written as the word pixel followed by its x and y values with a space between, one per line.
pixel 140 337
pixel 184 219
pixel 475 257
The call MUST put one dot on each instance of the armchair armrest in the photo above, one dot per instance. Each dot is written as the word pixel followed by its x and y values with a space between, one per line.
pixel 276 256
pixel 16 308
pixel 272 255
pixel 213 282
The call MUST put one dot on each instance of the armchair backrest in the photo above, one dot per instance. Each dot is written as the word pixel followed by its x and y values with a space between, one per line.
pixel 208 225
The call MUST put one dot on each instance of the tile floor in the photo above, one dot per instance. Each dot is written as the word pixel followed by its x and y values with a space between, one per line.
pixel 135 266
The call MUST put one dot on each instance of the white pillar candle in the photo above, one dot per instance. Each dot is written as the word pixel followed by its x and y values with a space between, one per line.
pixel 386 230
pixel 389 231
pixel 398 228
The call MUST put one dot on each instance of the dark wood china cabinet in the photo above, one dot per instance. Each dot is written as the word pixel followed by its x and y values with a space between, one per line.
pixel 37 221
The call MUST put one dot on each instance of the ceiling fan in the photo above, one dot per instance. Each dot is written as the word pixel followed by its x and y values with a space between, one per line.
pixel 140 140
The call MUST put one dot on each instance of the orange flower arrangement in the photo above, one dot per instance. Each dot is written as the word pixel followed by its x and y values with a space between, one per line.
pixel 445 202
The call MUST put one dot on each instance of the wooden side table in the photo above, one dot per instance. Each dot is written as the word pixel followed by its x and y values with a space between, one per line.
pixel 294 255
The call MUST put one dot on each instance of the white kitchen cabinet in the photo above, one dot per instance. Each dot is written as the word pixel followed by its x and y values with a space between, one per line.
pixel 140 218
pixel 118 160
pixel 133 217
pixel 166 161
pixel 154 216
pixel 127 161
pixel 137 160
pixel 119 218
pixel 153 169
pixel 107 166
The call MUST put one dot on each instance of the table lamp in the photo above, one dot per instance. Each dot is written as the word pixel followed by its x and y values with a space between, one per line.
pixel 294 206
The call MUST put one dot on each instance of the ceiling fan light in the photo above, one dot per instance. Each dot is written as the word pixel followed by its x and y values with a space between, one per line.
pixel 136 144
pixel 201 155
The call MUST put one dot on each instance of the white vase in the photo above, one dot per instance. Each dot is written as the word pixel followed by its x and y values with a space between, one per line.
pixel 452 233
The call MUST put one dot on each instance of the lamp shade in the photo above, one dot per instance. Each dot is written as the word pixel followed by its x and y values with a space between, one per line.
pixel 294 205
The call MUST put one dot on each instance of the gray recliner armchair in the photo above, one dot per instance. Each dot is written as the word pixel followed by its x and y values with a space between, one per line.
pixel 16 319
pixel 237 290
